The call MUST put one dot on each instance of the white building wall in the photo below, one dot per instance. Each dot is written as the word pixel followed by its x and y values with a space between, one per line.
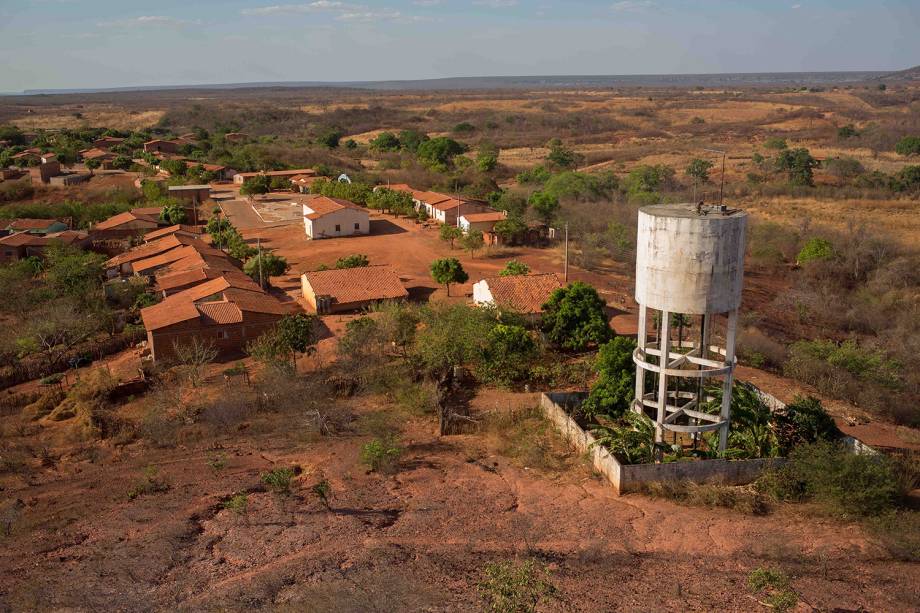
pixel 347 222
pixel 481 293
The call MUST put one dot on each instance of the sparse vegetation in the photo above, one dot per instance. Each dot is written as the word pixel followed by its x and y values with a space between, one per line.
pixel 515 587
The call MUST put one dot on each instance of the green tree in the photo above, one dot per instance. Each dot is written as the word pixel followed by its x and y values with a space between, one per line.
pixel 73 271
pixel 560 155
pixel 613 392
pixel 510 229
pixel 352 261
pixel 176 168
pixel 450 233
pixel 909 145
pixel 698 170
pixel 506 355
pixel 487 158
pixel 644 183
pixel 798 164
pixel 173 213
pixel 92 165
pixel 410 140
pixel 264 266
pixel 472 241
pixel 514 268
pixel 385 141
pixel 575 317
pixel 260 184
pixel 122 162
pixel 545 205
pixel 447 271
pixel 438 152
pixel 330 138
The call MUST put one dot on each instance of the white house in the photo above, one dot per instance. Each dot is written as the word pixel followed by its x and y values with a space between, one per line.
pixel 484 222
pixel 325 217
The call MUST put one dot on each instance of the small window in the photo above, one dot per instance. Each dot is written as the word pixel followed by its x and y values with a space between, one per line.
pixel 357 226
pixel 338 228
pixel 222 335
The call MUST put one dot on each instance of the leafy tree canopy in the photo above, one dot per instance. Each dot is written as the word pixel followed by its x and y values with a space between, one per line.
pixel 575 317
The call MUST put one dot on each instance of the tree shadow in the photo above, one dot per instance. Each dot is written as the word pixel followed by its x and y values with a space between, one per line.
pixel 420 293
pixel 383 227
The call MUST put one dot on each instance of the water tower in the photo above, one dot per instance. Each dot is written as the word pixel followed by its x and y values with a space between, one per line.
pixel 689 271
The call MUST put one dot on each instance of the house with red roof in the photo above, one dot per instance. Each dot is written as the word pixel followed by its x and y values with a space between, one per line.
pixel 350 289
pixel 225 312
pixel 325 217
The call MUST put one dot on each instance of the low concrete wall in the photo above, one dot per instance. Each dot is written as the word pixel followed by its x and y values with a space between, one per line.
pixel 603 461
pixel 629 477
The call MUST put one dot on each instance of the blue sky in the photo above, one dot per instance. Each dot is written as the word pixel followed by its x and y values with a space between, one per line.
pixel 111 43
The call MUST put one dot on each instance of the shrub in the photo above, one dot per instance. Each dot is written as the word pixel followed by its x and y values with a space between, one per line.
pixel 774 142
pixel 847 131
pixel 356 260
pixel 842 483
pixel 801 422
pixel 909 145
pixel 514 268
pixel 381 455
pixel 515 588
pixel 236 503
pixel 615 387
pixel 815 249
pixel 643 183
pixel 535 175
pixel 278 480
pixel 150 483
pixel 774 585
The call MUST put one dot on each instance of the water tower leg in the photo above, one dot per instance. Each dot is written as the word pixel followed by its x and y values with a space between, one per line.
pixel 664 342
pixel 730 331
pixel 641 340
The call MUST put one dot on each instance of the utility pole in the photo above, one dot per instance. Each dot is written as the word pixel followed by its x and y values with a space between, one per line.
pixel 566 273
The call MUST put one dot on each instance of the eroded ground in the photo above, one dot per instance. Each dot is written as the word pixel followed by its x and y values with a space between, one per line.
pixel 416 539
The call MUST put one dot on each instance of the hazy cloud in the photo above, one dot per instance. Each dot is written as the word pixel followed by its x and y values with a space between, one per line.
pixel 293 9
pixel 496 4
pixel 634 5
pixel 161 21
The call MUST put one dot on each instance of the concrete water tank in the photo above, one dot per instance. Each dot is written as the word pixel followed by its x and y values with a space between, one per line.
pixel 688 260
pixel 689 270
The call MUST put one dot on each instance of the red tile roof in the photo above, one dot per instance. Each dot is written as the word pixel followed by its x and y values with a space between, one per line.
pixel 157 247
pixel 478 217
pixel 278 173
pixel 218 301
pixel 188 278
pixel 32 224
pixel 123 218
pixel 324 205
pixel 194 231
pixel 22 239
pixel 523 293
pixel 356 284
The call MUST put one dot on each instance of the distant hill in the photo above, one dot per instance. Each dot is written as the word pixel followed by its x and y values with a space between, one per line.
pixel 537 82
pixel 911 74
